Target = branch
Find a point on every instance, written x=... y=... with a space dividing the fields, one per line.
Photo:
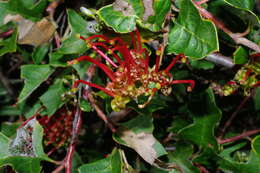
x=220 y=59
x=237 y=37
x=245 y=134
x=232 y=117
x=75 y=131
x=100 y=113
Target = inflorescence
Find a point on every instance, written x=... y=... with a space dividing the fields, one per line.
x=128 y=70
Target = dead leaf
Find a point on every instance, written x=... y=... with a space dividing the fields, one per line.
x=33 y=33
x=142 y=143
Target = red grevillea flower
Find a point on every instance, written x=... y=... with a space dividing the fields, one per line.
x=130 y=75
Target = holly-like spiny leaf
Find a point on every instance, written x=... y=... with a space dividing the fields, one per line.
x=192 y=35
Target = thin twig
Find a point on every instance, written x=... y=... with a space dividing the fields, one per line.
x=235 y=138
x=75 y=131
x=232 y=117
x=100 y=113
x=237 y=37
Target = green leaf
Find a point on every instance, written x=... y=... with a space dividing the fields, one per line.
x=85 y=105
x=52 y=98
x=137 y=134
x=201 y=131
x=34 y=75
x=192 y=35
x=256 y=145
x=251 y=166
x=28 y=8
x=154 y=14
x=257 y=98
x=77 y=23
x=111 y=164
x=8 y=44
x=39 y=53
x=4 y=11
x=117 y=20
x=9 y=111
x=201 y=64
x=72 y=45
x=9 y=129
x=243 y=4
x=240 y=55
x=181 y=157
x=15 y=154
x=123 y=15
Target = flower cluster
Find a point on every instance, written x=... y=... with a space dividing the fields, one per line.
x=128 y=70
x=246 y=78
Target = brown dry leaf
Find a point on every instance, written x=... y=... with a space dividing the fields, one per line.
x=142 y=143
x=33 y=33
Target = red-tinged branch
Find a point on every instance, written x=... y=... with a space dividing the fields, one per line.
x=103 y=55
x=237 y=37
x=77 y=82
x=174 y=61
x=235 y=138
x=7 y=33
x=100 y=113
x=191 y=82
x=109 y=72
x=75 y=131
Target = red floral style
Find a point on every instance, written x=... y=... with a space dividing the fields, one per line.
x=129 y=72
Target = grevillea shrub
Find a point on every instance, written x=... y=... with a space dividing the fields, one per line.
x=124 y=86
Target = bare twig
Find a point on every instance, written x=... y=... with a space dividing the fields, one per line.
x=100 y=113
x=75 y=131
x=232 y=117
x=220 y=59
x=237 y=37
x=235 y=138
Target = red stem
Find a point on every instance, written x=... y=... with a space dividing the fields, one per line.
x=77 y=82
x=157 y=63
x=191 y=82
x=75 y=131
x=95 y=36
x=138 y=40
x=108 y=49
x=174 y=62
x=235 y=138
x=103 y=55
x=109 y=72
x=7 y=33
